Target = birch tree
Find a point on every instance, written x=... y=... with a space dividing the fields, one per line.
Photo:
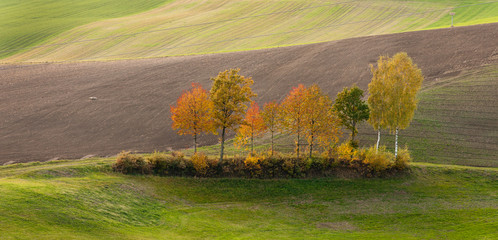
x=405 y=80
x=393 y=91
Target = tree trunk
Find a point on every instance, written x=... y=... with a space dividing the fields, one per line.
x=195 y=143
x=378 y=140
x=252 y=142
x=311 y=146
x=396 y=145
x=222 y=143
x=297 y=144
x=353 y=131
x=272 y=143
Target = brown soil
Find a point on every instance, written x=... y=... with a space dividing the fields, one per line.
x=46 y=111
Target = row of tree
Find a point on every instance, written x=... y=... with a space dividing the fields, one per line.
x=305 y=112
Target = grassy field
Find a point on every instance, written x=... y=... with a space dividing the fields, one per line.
x=196 y=27
x=83 y=199
x=32 y=22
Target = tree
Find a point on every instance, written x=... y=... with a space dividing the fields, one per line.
x=252 y=126
x=270 y=116
x=351 y=109
x=292 y=111
x=319 y=119
x=405 y=79
x=393 y=91
x=192 y=113
x=377 y=101
x=230 y=93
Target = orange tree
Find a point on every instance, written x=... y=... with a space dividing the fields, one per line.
x=271 y=119
x=229 y=93
x=292 y=112
x=252 y=126
x=320 y=121
x=192 y=113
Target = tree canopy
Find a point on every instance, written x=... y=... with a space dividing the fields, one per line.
x=351 y=109
x=192 y=113
x=230 y=93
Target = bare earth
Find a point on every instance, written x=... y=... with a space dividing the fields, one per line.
x=46 y=111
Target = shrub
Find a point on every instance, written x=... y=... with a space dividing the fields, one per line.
x=128 y=163
x=252 y=165
x=378 y=161
x=344 y=153
x=200 y=163
x=403 y=159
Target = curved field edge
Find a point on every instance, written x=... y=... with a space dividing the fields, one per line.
x=85 y=200
x=29 y=23
x=187 y=28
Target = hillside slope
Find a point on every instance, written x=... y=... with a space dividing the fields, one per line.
x=46 y=112
x=27 y=23
x=195 y=27
x=82 y=199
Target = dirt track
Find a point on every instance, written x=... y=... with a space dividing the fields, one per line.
x=45 y=110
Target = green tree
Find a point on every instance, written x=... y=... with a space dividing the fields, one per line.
x=230 y=93
x=351 y=109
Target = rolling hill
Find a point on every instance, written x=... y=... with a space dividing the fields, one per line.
x=37 y=31
x=83 y=199
x=46 y=111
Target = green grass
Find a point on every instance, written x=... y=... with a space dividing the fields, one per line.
x=85 y=32
x=30 y=22
x=83 y=199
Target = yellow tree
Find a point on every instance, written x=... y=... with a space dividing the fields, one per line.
x=192 y=113
x=252 y=126
x=270 y=116
x=292 y=112
x=320 y=121
x=405 y=80
x=230 y=93
x=393 y=91
x=377 y=100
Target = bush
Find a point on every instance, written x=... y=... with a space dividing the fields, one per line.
x=403 y=159
x=252 y=165
x=200 y=163
x=378 y=161
x=176 y=164
x=128 y=163
x=359 y=162
x=344 y=153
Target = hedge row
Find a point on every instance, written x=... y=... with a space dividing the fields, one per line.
x=363 y=162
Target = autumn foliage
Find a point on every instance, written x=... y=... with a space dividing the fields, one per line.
x=252 y=126
x=192 y=113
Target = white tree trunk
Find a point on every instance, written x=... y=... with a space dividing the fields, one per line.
x=396 y=145
x=378 y=141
